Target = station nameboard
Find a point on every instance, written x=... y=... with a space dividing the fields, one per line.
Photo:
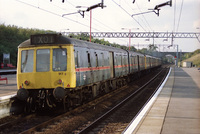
x=43 y=39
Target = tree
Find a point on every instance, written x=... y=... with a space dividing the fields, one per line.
x=11 y=37
x=152 y=47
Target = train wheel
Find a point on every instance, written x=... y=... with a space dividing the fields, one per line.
x=111 y=86
x=102 y=89
x=119 y=83
x=124 y=82
x=28 y=107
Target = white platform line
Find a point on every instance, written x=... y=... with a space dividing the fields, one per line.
x=7 y=97
x=131 y=127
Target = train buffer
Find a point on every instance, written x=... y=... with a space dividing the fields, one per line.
x=5 y=78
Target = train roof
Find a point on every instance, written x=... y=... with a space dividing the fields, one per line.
x=58 y=39
x=135 y=53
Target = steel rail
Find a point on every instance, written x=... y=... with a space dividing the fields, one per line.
x=45 y=124
x=160 y=84
x=94 y=123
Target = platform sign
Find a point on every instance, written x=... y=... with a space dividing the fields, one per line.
x=6 y=58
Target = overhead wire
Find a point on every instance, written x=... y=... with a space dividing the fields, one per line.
x=172 y=41
x=174 y=16
x=93 y=18
x=144 y=19
x=129 y=15
x=179 y=16
x=58 y=15
x=150 y=29
x=54 y=14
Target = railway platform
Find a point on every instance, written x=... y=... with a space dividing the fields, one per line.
x=7 y=71
x=10 y=88
x=176 y=109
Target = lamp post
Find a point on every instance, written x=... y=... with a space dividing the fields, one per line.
x=130 y=34
x=90 y=18
x=90 y=9
x=90 y=24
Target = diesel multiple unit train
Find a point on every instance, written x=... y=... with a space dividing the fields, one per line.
x=53 y=69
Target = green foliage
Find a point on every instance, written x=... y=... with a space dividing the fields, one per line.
x=143 y=50
x=189 y=55
x=11 y=37
x=152 y=47
x=193 y=57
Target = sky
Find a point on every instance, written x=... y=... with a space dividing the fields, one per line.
x=182 y=16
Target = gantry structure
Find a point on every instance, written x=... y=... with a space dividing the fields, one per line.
x=138 y=34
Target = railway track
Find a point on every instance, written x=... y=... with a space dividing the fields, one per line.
x=118 y=118
x=23 y=122
x=78 y=118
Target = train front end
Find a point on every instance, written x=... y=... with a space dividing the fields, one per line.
x=45 y=70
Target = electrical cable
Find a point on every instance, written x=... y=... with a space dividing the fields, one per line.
x=144 y=17
x=179 y=16
x=85 y=15
x=129 y=15
x=174 y=15
x=55 y=14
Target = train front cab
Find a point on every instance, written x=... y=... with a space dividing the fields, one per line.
x=45 y=71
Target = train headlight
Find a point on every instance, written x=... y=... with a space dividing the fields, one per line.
x=59 y=81
x=26 y=83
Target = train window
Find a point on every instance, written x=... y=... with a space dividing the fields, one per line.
x=97 y=64
x=27 y=61
x=115 y=59
x=124 y=59
x=42 y=60
x=59 y=59
x=121 y=59
x=102 y=59
x=89 y=63
x=132 y=60
x=76 y=59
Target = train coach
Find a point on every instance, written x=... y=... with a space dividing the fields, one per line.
x=53 y=68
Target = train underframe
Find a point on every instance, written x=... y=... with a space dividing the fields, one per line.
x=69 y=98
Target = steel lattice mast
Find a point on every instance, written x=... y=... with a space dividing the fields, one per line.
x=138 y=34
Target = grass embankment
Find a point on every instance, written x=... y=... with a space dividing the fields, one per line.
x=195 y=59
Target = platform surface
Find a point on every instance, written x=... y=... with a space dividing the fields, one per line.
x=11 y=87
x=8 y=70
x=177 y=108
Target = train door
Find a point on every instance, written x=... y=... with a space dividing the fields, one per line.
x=138 y=59
x=145 y=62
x=90 y=73
x=112 y=71
x=78 y=74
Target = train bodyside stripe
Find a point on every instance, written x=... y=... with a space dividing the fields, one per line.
x=91 y=68
x=100 y=68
